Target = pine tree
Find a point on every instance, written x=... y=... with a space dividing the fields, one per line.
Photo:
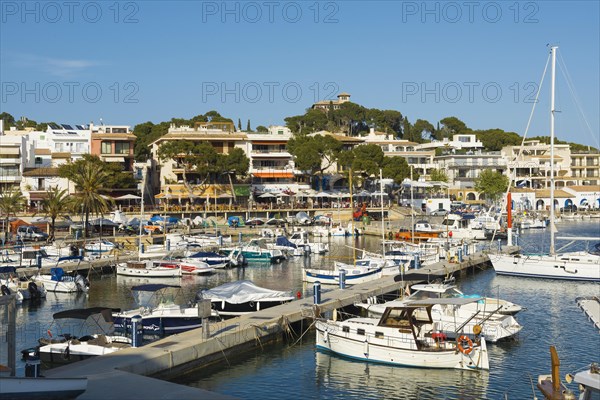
x=248 y=129
x=239 y=124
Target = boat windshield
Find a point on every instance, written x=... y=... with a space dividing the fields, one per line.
x=450 y=293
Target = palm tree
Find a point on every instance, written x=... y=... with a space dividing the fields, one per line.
x=57 y=202
x=11 y=201
x=89 y=177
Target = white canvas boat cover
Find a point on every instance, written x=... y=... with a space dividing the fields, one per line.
x=240 y=292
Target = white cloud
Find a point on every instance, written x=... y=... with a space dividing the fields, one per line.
x=61 y=67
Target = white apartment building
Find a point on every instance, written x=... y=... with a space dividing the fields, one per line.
x=458 y=142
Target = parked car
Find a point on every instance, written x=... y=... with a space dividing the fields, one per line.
x=569 y=208
x=441 y=212
x=31 y=232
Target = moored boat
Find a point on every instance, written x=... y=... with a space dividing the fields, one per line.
x=147 y=268
x=404 y=335
x=354 y=274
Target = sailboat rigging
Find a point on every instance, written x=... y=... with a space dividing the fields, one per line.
x=580 y=266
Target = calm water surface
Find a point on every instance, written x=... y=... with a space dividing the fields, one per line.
x=296 y=369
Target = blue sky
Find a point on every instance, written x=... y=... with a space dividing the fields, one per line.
x=130 y=62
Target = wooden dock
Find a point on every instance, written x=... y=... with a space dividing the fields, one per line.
x=174 y=355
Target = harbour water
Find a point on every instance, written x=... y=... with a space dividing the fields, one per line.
x=295 y=368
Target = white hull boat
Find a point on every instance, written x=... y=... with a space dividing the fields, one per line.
x=74 y=350
x=354 y=274
x=401 y=337
x=147 y=268
x=188 y=266
x=57 y=281
x=577 y=266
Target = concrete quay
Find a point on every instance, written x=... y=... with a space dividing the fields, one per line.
x=136 y=370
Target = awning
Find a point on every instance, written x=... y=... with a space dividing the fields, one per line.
x=114 y=159
x=36 y=196
x=12 y=151
x=269 y=143
x=288 y=175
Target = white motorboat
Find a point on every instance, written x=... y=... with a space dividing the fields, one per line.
x=354 y=274
x=41 y=388
x=147 y=268
x=460 y=227
x=72 y=348
x=300 y=238
x=11 y=283
x=214 y=259
x=160 y=314
x=242 y=297
x=404 y=335
x=57 y=281
x=477 y=315
x=99 y=246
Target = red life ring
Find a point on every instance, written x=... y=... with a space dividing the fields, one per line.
x=464 y=344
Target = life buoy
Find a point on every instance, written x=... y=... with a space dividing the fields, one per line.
x=397 y=235
x=464 y=344
x=5 y=290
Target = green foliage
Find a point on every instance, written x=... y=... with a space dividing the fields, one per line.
x=11 y=202
x=438 y=175
x=262 y=129
x=395 y=168
x=57 y=202
x=314 y=153
x=90 y=176
x=452 y=126
x=420 y=129
x=368 y=159
x=496 y=139
x=491 y=183
x=239 y=124
x=248 y=128
x=236 y=161
x=8 y=119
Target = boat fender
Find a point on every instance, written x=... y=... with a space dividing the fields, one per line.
x=33 y=289
x=464 y=344
x=477 y=329
x=397 y=235
x=5 y=290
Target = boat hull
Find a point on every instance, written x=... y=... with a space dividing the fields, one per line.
x=395 y=350
x=580 y=267
x=333 y=277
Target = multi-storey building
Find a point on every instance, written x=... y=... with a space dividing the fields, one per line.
x=113 y=144
x=335 y=104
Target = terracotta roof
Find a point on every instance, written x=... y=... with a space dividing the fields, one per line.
x=344 y=94
x=41 y=172
x=61 y=155
x=200 y=136
x=43 y=152
x=558 y=193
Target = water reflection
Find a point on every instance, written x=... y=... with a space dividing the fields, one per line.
x=377 y=381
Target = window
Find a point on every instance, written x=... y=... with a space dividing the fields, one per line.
x=122 y=148
x=106 y=148
x=360 y=331
x=38 y=160
x=345 y=329
x=280 y=132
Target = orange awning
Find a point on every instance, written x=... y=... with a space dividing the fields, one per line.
x=273 y=175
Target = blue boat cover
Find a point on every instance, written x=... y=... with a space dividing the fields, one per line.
x=153 y=287
x=8 y=270
x=283 y=241
x=57 y=274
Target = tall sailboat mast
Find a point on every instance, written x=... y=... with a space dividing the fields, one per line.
x=552 y=185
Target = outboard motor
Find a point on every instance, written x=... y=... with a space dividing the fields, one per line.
x=82 y=283
x=33 y=290
x=74 y=251
x=5 y=290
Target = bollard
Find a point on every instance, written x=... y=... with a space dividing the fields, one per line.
x=240 y=237
x=32 y=367
x=417 y=261
x=38 y=260
x=466 y=249
x=80 y=252
x=168 y=244
x=220 y=240
x=517 y=238
x=499 y=245
x=460 y=255
x=77 y=234
x=136 y=330
x=204 y=312
x=342 y=279
x=142 y=248
x=317 y=292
